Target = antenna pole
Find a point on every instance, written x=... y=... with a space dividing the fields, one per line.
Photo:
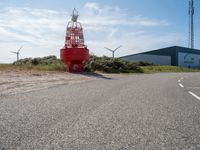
x=191 y=24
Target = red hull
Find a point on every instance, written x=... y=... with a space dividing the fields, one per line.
x=74 y=58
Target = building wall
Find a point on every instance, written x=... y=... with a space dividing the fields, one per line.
x=155 y=59
x=169 y=51
x=188 y=60
x=176 y=56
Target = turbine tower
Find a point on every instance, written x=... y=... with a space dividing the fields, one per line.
x=17 y=52
x=191 y=24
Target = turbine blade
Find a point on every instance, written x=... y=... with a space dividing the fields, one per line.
x=13 y=52
x=118 y=47
x=20 y=48
x=108 y=49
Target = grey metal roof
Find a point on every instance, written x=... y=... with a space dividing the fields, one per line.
x=168 y=51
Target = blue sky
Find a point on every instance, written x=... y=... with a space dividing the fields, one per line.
x=137 y=25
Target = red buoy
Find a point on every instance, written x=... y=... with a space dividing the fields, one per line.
x=75 y=53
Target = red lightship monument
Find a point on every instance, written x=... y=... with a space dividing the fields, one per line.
x=75 y=53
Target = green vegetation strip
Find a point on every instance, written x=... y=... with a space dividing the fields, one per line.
x=156 y=69
x=95 y=64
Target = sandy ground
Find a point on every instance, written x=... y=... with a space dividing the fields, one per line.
x=15 y=81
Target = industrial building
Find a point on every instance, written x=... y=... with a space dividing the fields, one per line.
x=175 y=56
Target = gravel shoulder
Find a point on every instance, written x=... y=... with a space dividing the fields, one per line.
x=18 y=81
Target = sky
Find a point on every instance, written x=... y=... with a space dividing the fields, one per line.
x=138 y=25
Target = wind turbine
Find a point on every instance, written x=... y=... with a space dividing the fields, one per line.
x=17 y=53
x=113 y=51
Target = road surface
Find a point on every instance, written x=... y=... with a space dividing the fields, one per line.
x=151 y=111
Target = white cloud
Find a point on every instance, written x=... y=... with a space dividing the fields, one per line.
x=109 y=15
x=42 y=31
x=92 y=6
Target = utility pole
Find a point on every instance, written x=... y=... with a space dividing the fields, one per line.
x=113 y=51
x=191 y=24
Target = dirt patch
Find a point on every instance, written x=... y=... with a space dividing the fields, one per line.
x=17 y=81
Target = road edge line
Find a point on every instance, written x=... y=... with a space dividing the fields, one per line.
x=194 y=95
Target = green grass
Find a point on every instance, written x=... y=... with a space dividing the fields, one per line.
x=52 y=67
x=157 y=69
x=61 y=68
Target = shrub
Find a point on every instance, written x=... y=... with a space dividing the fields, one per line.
x=111 y=65
x=144 y=63
x=49 y=63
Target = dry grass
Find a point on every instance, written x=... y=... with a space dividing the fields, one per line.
x=52 y=67
x=156 y=69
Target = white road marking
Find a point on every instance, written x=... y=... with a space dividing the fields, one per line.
x=194 y=95
x=179 y=81
x=181 y=85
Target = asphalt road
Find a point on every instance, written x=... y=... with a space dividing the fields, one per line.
x=155 y=112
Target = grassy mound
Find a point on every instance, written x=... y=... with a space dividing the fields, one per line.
x=49 y=63
x=111 y=65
